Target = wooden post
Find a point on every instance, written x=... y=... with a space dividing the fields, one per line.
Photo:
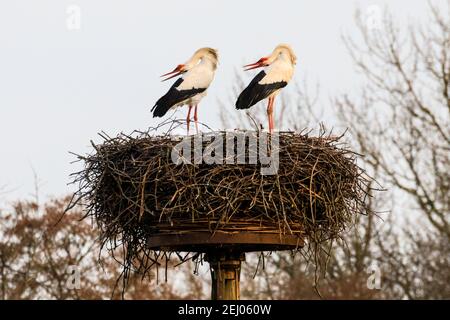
x=225 y=252
x=225 y=274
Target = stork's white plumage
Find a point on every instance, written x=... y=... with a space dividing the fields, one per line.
x=278 y=71
x=197 y=74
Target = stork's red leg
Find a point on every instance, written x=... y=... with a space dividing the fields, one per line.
x=269 y=113
x=196 y=118
x=188 y=119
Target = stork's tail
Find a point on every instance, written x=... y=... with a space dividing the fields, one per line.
x=160 y=108
x=245 y=100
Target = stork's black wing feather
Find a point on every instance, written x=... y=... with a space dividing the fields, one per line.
x=172 y=97
x=256 y=92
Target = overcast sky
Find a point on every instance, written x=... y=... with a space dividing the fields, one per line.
x=59 y=86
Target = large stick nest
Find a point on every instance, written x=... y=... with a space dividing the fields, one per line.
x=133 y=190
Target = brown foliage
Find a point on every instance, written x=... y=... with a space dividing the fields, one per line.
x=40 y=247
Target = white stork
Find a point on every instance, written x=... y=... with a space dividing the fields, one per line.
x=269 y=82
x=198 y=73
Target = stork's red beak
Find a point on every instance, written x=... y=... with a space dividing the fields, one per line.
x=258 y=64
x=176 y=72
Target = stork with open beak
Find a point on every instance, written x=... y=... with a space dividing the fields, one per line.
x=278 y=71
x=197 y=74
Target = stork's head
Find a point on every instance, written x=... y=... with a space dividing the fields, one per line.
x=212 y=55
x=282 y=51
x=203 y=53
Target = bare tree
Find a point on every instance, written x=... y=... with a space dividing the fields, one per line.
x=401 y=122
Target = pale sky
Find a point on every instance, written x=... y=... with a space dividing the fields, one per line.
x=59 y=87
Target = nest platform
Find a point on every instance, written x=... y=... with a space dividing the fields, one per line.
x=143 y=201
